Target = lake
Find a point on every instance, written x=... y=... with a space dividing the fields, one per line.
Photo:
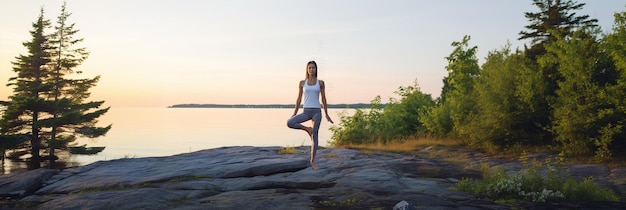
x=150 y=132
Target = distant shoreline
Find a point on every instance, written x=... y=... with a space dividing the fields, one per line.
x=267 y=106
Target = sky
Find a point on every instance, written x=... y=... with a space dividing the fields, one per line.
x=156 y=53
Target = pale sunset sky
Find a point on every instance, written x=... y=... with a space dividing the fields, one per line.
x=156 y=53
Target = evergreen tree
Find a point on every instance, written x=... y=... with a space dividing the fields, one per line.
x=22 y=115
x=555 y=17
x=9 y=141
x=71 y=114
x=46 y=105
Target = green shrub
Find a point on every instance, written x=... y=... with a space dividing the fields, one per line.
x=529 y=185
x=587 y=191
x=394 y=121
x=352 y=129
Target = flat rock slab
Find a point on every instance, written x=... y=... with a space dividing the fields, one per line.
x=252 y=178
x=17 y=185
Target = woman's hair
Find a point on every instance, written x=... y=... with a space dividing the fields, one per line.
x=307 y=69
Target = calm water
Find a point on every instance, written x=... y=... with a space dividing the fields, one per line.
x=149 y=132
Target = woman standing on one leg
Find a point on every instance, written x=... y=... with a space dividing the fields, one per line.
x=312 y=89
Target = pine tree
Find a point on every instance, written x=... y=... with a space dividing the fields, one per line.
x=22 y=114
x=9 y=141
x=47 y=106
x=554 y=16
x=71 y=115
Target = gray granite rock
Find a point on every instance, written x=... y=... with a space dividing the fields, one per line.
x=16 y=185
x=257 y=178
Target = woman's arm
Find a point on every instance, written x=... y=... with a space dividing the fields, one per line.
x=299 y=97
x=323 y=92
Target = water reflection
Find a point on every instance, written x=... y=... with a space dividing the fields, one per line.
x=15 y=165
x=9 y=166
x=151 y=132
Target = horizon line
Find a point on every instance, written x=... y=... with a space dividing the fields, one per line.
x=339 y=105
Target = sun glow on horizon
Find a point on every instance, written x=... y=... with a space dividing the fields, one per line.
x=161 y=53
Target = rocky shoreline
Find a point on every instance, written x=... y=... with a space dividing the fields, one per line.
x=263 y=178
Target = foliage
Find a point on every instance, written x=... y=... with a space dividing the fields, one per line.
x=530 y=185
x=555 y=18
x=437 y=120
x=568 y=96
x=84 y=150
x=11 y=142
x=46 y=105
x=22 y=112
x=72 y=115
x=396 y=120
x=456 y=106
x=585 y=119
x=615 y=46
x=352 y=129
x=505 y=114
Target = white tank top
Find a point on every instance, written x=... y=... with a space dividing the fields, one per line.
x=311 y=95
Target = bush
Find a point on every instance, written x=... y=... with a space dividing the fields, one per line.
x=529 y=185
x=352 y=129
x=394 y=121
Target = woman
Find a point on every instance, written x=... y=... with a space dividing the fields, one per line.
x=312 y=89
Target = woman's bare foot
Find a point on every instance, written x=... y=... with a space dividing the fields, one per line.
x=308 y=130
x=314 y=166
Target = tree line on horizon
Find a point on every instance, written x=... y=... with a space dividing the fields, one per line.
x=565 y=92
x=48 y=109
x=263 y=106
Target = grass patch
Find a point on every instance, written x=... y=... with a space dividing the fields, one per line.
x=530 y=184
x=343 y=203
x=119 y=187
x=451 y=145
x=349 y=201
x=187 y=178
x=408 y=145
x=287 y=150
